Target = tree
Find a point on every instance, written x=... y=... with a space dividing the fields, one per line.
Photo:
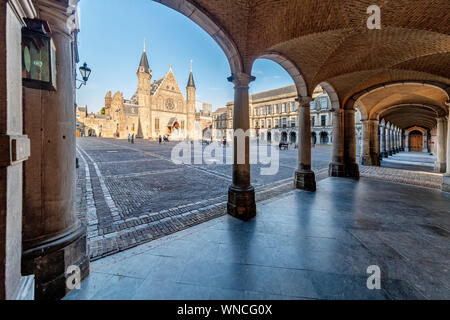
x=102 y=111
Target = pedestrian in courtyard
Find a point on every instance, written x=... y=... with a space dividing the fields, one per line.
x=132 y=138
x=129 y=137
x=160 y=139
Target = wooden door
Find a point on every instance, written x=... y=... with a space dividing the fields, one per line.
x=415 y=142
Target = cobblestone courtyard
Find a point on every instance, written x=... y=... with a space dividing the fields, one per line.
x=132 y=193
x=128 y=194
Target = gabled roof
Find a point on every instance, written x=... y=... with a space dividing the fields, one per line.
x=155 y=85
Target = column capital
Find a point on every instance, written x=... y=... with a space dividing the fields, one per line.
x=62 y=15
x=303 y=101
x=241 y=80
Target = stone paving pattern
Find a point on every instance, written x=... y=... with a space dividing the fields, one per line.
x=318 y=246
x=132 y=193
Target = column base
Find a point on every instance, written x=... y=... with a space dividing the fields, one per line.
x=440 y=167
x=446 y=183
x=352 y=170
x=305 y=180
x=49 y=260
x=385 y=154
x=241 y=203
x=390 y=153
x=336 y=170
x=371 y=160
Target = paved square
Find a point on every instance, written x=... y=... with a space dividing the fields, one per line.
x=132 y=193
x=318 y=246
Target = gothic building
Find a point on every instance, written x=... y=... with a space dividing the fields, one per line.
x=156 y=109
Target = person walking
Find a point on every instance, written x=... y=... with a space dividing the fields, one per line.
x=132 y=138
x=129 y=137
x=160 y=139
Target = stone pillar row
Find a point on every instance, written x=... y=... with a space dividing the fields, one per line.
x=446 y=179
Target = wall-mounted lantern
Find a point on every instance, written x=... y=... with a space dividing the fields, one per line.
x=85 y=72
x=38 y=56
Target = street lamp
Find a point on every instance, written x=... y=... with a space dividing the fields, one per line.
x=85 y=72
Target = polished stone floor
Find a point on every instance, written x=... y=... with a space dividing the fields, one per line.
x=414 y=161
x=301 y=246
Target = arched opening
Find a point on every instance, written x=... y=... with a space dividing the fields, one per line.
x=284 y=137
x=313 y=138
x=415 y=141
x=269 y=137
x=293 y=138
x=324 y=138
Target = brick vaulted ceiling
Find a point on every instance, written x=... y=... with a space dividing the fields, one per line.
x=328 y=40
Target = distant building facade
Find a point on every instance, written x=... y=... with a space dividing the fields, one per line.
x=157 y=108
x=274 y=117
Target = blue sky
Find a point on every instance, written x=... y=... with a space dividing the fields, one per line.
x=111 y=42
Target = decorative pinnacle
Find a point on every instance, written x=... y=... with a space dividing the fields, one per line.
x=191 y=64
x=144 y=44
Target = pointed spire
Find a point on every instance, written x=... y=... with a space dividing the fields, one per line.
x=143 y=65
x=191 y=82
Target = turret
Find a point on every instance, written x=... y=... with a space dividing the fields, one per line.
x=108 y=100
x=190 y=104
x=144 y=74
x=190 y=92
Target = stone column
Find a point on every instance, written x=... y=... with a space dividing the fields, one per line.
x=446 y=180
x=441 y=160
x=53 y=237
x=406 y=141
x=241 y=194
x=388 y=140
x=393 y=143
x=304 y=176
x=402 y=141
x=14 y=151
x=382 y=141
x=365 y=148
x=337 y=158
x=395 y=139
x=370 y=149
x=351 y=167
x=374 y=143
